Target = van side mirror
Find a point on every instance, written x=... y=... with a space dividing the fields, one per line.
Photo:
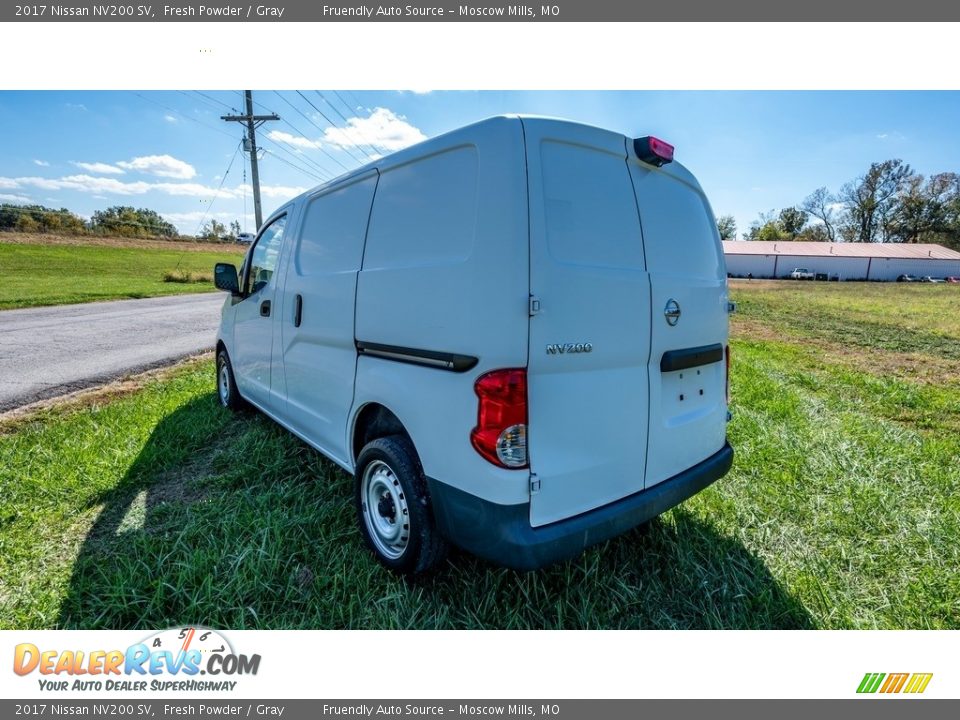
x=225 y=278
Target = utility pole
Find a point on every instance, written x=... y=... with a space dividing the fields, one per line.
x=250 y=144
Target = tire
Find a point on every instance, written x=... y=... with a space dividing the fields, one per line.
x=393 y=508
x=227 y=391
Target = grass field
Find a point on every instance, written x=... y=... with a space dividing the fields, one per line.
x=59 y=272
x=842 y=511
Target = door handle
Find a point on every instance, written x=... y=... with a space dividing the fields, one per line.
x=298 y=311
x=265 y=308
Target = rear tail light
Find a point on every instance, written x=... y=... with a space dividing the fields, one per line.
x=653 y=150
x=501 y=432
x=727 y=379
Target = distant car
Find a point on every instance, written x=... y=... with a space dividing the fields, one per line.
x=953 y=280
x=906 y=278
x=245 y=238
x=930 y=279
x=801 y=274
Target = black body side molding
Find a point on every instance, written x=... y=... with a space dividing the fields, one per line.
x=428 y=358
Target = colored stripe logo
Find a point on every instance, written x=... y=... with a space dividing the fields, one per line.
x=913 y=683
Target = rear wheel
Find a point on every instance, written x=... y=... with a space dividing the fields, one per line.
x=393 y=507
x=226 y=384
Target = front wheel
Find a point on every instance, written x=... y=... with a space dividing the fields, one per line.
x=393 y=507
x=226 y=384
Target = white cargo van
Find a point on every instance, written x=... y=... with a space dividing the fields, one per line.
x=514 y=336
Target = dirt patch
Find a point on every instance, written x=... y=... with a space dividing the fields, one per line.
x=135 y=243
x=81 y=399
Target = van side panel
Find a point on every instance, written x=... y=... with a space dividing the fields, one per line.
x=590 y=341
x=445 y=270
x=685 y=258
x=319 y=355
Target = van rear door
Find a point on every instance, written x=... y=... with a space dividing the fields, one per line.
x=688 y=306
x=590 y=322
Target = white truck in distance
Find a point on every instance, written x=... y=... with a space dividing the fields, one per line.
x=802 y=274
x=513 y=336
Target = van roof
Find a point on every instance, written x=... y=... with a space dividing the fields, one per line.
x=463 y=134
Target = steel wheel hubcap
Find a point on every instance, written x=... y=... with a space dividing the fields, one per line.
x=224 y=384
x=385 y=510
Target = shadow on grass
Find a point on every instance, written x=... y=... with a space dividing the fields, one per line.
x=230 y=522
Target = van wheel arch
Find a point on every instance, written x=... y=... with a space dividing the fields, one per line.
x=375 y=421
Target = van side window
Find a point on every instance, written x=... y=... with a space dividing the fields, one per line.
x=263 y=259
x=425 y=212
x=333 y=229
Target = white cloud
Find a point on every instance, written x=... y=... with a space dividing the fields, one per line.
x=192 y=189
x=282 y=192
x=76 y=106
x=102 y=186
x=98 y=167
x=91 y=183
x=14 y=198
x=112 y=186
x=170 y=118
x=382 y=128
x=161 y=166
x=41 y=163
x=295 y=140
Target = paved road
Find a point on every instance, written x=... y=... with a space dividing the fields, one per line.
x=50 y=351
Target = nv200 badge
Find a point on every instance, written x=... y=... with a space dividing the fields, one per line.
x=568 y=348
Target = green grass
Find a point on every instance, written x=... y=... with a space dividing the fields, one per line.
x=35 y=274
x=903 y=317
x=160 y=508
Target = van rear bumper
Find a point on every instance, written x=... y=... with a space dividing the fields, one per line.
x=503 y=534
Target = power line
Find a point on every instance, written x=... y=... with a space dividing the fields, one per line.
x=336 y=127
x=219 y=188
x=376 y=151
x=185 y=116
x=216 y=195
x=219 y=102
x=287 y=162
x=298 y=155
x=316 y=146
x=324 y=174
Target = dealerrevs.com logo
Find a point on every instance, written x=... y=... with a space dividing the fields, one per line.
x=892 y=683
x=173 y=659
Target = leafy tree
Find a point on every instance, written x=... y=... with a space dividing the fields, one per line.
x=791 y=221
x=127 y=221
x=928 y=209
x=235 y=229
x=213 y=230
x=37 y=218
x=727 y=227
x=872 y=200
x=767 y=227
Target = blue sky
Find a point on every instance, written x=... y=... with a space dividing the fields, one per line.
x=169 y=151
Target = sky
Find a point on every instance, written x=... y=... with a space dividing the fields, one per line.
x=753 y=151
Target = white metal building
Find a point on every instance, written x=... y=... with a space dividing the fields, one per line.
x=848 y=261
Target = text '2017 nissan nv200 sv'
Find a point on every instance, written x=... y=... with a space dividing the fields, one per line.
x=514 y=336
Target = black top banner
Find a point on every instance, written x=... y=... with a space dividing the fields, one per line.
x=473 y=11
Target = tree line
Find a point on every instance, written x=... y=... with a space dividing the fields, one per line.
x=890 y=203
x=116 y=221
